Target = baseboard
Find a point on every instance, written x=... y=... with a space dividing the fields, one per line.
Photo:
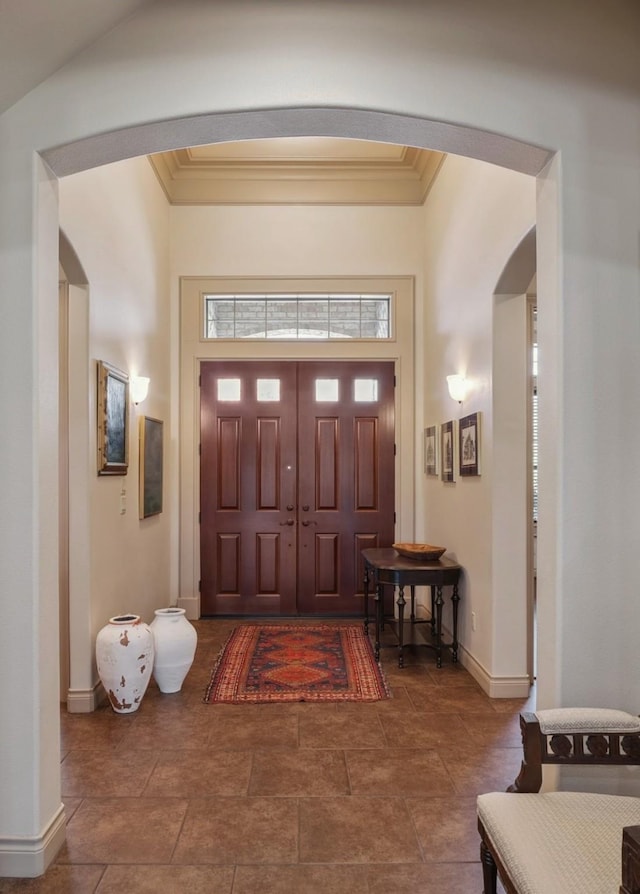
x=495 y=687
x=191 y=605
x=30 y=857
x=84 y=701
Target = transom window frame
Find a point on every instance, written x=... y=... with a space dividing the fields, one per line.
x=298 y=298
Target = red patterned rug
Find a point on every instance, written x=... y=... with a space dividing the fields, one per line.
x=288 y=663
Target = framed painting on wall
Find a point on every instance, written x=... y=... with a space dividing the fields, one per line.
x=431 y=450
x=150 y=472
x=113 y=409
x=447 y=452
x=469 y=446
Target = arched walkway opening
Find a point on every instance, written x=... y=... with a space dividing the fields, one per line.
x=334 y=122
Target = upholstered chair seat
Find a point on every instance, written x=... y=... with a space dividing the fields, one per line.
x=565 y=842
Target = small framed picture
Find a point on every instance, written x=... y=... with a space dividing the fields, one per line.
x=150 y=476
x=431 y=451
x=113 y=426
x=469 y=444
x=447 y=452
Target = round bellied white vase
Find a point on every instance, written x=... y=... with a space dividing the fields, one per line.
x=124 y=657
x=175 y=641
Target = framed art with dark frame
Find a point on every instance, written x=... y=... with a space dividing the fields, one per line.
x=447 y=452
x=469 y=444
x=431 y=450
x=113 y=409
x=150 y=477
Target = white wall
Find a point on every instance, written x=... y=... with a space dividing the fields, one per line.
x=286 y=240
x=503 y=83
x=475 y=217
x=511 y=615
x=117 y=220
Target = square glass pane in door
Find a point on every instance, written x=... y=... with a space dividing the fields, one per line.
x=268 y=389
x=228 y=389
x=365 y=390
x=327 y=390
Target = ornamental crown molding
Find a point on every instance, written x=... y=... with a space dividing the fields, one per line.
x=297 y=170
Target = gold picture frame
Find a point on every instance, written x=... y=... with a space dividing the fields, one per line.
x=151 y=434
x=113 y=420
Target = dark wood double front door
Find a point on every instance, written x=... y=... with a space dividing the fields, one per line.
x=296 y=479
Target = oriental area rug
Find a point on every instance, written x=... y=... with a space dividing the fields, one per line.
x=287 y=663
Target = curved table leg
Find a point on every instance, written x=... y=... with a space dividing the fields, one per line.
x=401 y=604
x=377 y=608
x=438 y=626
x=455 y=599
x=432 y=622
x=366 y=599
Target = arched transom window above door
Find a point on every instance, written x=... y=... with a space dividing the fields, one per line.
x=291 y=316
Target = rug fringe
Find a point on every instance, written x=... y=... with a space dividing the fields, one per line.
x=216 y=664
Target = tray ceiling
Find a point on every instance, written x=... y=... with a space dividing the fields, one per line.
x=298 y=170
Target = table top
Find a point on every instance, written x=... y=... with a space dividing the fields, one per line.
x=387 y=558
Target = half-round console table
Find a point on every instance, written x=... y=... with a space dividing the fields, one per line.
x=385 y=567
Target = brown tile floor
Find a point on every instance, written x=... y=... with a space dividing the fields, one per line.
x=283 y=799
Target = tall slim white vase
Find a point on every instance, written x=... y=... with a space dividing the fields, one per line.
x=175 y=641
x=124 y=657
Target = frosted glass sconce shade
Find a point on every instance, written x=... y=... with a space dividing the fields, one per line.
x=457 y=387
x=139 y=388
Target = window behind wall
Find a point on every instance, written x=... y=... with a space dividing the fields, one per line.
x=289 y=316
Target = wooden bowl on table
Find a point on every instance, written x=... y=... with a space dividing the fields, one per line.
x=423 y=552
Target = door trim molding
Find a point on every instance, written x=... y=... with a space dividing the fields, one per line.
x=193 y=351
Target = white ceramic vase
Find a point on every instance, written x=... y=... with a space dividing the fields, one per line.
x=175 y=641
x=124 y=656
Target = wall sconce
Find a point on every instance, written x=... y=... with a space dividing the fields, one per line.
x=457 y=386
x=139 y=388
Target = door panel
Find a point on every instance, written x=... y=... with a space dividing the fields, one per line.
x=366 y=465
x=247 y=479
x=293 y=487
x=268 y=477
x=346 y=480
x=228 y=463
